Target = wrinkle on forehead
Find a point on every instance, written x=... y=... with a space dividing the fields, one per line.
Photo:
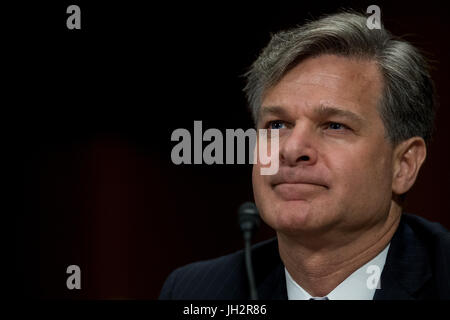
x=363 y=72
x=350 y=84
x=351 y=79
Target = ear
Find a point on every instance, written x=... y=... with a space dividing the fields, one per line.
x=409 y=156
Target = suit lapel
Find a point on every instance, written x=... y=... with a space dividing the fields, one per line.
x=269 y=271
x=274 y=286
x=407 y=267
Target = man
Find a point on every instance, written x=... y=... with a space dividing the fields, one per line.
x=354 y=110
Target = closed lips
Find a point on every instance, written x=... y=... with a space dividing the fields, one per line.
x=291 y=180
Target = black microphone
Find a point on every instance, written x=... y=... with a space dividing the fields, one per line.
x=249 y=222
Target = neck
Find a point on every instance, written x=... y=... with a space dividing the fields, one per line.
x=320 y=270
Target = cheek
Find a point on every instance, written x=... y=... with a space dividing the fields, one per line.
x=258 y=183
x=366 y=173
x=262 y=193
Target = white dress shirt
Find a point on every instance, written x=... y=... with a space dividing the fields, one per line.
x=360 y=285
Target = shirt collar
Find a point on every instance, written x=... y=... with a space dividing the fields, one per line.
x=360 y=285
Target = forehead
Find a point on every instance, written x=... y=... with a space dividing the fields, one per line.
x=349 y=83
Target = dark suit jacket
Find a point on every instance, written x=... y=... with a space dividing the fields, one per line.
x=417 y=267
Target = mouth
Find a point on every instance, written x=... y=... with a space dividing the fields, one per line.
x=298 y=191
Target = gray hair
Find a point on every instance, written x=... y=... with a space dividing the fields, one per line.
x=407 y=106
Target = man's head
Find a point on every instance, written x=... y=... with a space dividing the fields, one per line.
x=354 y=108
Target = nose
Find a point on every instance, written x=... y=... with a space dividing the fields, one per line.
x=298 y=147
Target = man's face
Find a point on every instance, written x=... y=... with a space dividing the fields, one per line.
x=335 y=170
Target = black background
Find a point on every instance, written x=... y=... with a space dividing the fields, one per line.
x=94 y=110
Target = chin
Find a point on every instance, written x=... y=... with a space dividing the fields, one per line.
x=291 y=216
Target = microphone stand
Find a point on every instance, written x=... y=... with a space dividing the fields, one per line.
x=249 y=222
x=249 y=266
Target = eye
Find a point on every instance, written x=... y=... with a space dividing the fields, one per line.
x=276 y=125
x=335 y=126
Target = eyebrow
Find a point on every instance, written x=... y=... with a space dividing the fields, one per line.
x=322 y=111
x=329 y=111
x=274 y=110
